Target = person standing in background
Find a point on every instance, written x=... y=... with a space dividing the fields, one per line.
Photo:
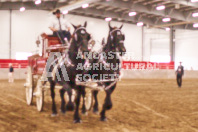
x=179 y=74
x=11 y=74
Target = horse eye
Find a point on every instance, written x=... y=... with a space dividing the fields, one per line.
x=88 y=37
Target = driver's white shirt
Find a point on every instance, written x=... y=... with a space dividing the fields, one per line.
x=55 y=24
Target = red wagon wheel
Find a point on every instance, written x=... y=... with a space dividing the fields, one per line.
x=29 y=86
x=39 y=95
x=88 y=99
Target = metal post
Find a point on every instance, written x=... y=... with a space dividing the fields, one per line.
x=142 y=43
x=172 y=44
x=10 y=43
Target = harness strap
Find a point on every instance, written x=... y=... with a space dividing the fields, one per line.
x=114 y=31
x=110 y=85
x=79 y=29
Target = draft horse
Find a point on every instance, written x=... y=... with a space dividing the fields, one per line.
x=114 y=49
x=66 y=71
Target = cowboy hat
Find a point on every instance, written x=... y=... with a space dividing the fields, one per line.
x=57 y=12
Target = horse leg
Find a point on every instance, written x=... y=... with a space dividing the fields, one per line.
x=84 y=111
x=108 y=103
x=70 y=104
x=76 y=113
x=52 y=86
x=95 y=107
x=62 y=93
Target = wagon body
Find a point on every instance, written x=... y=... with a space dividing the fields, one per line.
x=35 y=77
x=37 y=62
x=36 y=68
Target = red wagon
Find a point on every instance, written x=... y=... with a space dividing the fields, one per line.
x=36 y=67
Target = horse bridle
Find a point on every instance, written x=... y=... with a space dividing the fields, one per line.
x=111 y=36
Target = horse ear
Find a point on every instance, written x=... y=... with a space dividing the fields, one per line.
x=75 y=27
x=110 y=26
x=121 y=26
x=85 y=25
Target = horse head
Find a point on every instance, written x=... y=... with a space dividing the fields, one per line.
x=81 y=38
x=116 y=40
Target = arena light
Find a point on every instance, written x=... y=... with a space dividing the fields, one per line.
x=132 y=13
x=160 y=58
x=166 y=19
x=85 y=5
x=162 y=7
x=65 y=12
x=195 y=25
x=139 y=24
x=108 y=19
x=194 y=0
x=195 y=14
x=22 y=55
x=167 y=29
x=22 y=9
x=37 y=2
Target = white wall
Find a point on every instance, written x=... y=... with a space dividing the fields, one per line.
x=28 y=25
x=4 y=34
x=186 y=49
x=158 y=35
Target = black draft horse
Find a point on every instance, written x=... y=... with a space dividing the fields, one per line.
x=66 y=71
x=114 y=47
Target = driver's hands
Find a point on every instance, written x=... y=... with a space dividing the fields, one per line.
x=68 y=28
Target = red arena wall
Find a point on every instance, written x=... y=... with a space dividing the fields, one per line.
x=141 y=65
x=4 y=63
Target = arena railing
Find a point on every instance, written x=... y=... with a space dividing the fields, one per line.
x=141 y=65
x=4 y=63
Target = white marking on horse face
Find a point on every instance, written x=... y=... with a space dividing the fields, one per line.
x=82 y=32
x=118 y=33
x=121 y=41
x=76 y=37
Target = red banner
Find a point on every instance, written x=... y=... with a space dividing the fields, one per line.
x=141 y=65
x=133 y=65
x=4 y=63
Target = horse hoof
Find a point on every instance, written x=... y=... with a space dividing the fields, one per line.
x=77 y=121
x=95 y=112
x=85 y=113
x=54 y=115
x=70 y=107
x=62 y=112
x=103 y=119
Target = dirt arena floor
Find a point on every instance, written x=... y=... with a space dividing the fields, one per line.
x=139 y=106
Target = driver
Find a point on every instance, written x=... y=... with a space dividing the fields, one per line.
x=60 y=28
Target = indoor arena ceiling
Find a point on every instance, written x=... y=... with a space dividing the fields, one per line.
x=179 y=11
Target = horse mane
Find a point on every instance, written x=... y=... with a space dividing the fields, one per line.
x=107 y=45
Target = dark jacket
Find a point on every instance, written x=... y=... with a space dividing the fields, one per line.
x=11 y=69
x=180 y=70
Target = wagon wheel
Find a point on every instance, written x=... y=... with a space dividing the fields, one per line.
x=88 y=99
x=39 y=95
x=29 y=86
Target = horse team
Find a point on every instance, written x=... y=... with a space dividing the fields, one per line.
x=109 y=60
